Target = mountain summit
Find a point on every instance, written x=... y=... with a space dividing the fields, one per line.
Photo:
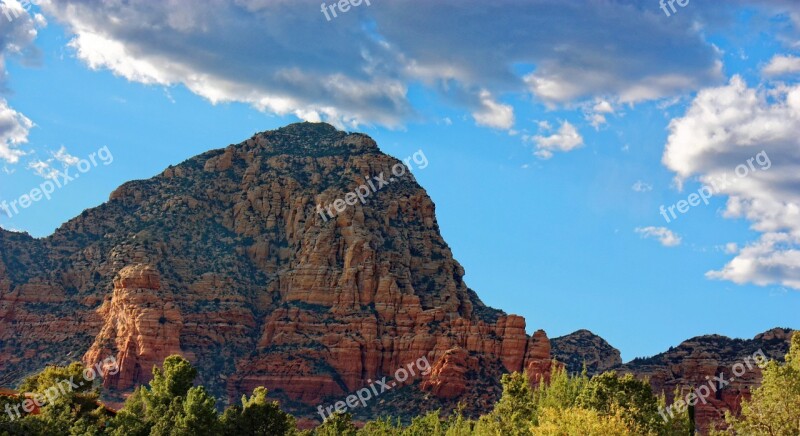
x=226 y=260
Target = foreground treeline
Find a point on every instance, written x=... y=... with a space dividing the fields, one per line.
x=605 y=404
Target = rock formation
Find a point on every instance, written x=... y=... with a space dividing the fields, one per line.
x=697 y=361
x=585 y=348
x=226 y=260
x=691 y=364
x=142 y=327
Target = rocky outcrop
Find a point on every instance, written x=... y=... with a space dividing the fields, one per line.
x=448 y=378
x=226 y=259
x=584 y=348
x=688 y=366
x=142 y=327
x=697 y=361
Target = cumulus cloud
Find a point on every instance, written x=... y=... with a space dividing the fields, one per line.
x=565 y=139
x=14 y=129
x=493 y=114
x=358 y=68
x=734 y=126
x=16 y=39
x=781 y=65
x=664 y=235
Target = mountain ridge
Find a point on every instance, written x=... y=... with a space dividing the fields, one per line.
x=224 y=259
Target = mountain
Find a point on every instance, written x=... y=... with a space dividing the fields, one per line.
x=227 y=259
x=585 y=348
x=693 y=363
x=261 y=264
x=701 y=361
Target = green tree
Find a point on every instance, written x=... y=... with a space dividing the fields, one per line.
x=171 y=406
x=257 y=416
x=580 y=421
x=774 y=407
x=607 y=392
x=337 y=424
x=427 y=425
x=69 y=403
x=514 y=412
x=561 y=391
x=199 y=415
x=381 y=427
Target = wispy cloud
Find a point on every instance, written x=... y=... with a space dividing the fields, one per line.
x=664 y=235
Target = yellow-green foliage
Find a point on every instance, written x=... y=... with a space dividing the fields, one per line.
x=578 y=421
x=774 y=408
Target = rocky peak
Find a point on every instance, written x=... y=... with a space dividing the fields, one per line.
x=585 y=348
x=225 y=259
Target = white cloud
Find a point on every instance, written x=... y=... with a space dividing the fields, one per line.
x=565 y=139
x=493 y=114
x=16 y=39
x=641 y=186
x=65 y=158
x=664 y=235
x=45 y=169
x=596 y=113
x=774 y=258
x=725 y=127
x=358 y=70
x=781 y=65
x=14 y=129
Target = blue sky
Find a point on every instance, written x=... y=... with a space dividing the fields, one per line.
x=554 y=131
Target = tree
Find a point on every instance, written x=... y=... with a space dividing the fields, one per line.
x=69 y=403
x=774 y=407
x=199 y=415
x=580 y=421
x=337 y=424
x=257 y=416
x=427 y=425
x=171 y=406
x=514 y=412
x=608 y=393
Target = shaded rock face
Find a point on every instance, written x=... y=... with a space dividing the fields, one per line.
x=585 y=348
x=226 y=260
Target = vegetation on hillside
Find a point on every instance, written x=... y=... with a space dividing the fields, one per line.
x=568 y=405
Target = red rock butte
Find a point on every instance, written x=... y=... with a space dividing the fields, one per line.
x=224 y=260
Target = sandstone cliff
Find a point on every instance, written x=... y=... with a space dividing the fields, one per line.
x=224 y=259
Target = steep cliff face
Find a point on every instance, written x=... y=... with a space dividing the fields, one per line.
x=226 y=259
x=142 y=326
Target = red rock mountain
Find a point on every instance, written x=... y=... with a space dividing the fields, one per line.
x=692 y=363
x=225 y=260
